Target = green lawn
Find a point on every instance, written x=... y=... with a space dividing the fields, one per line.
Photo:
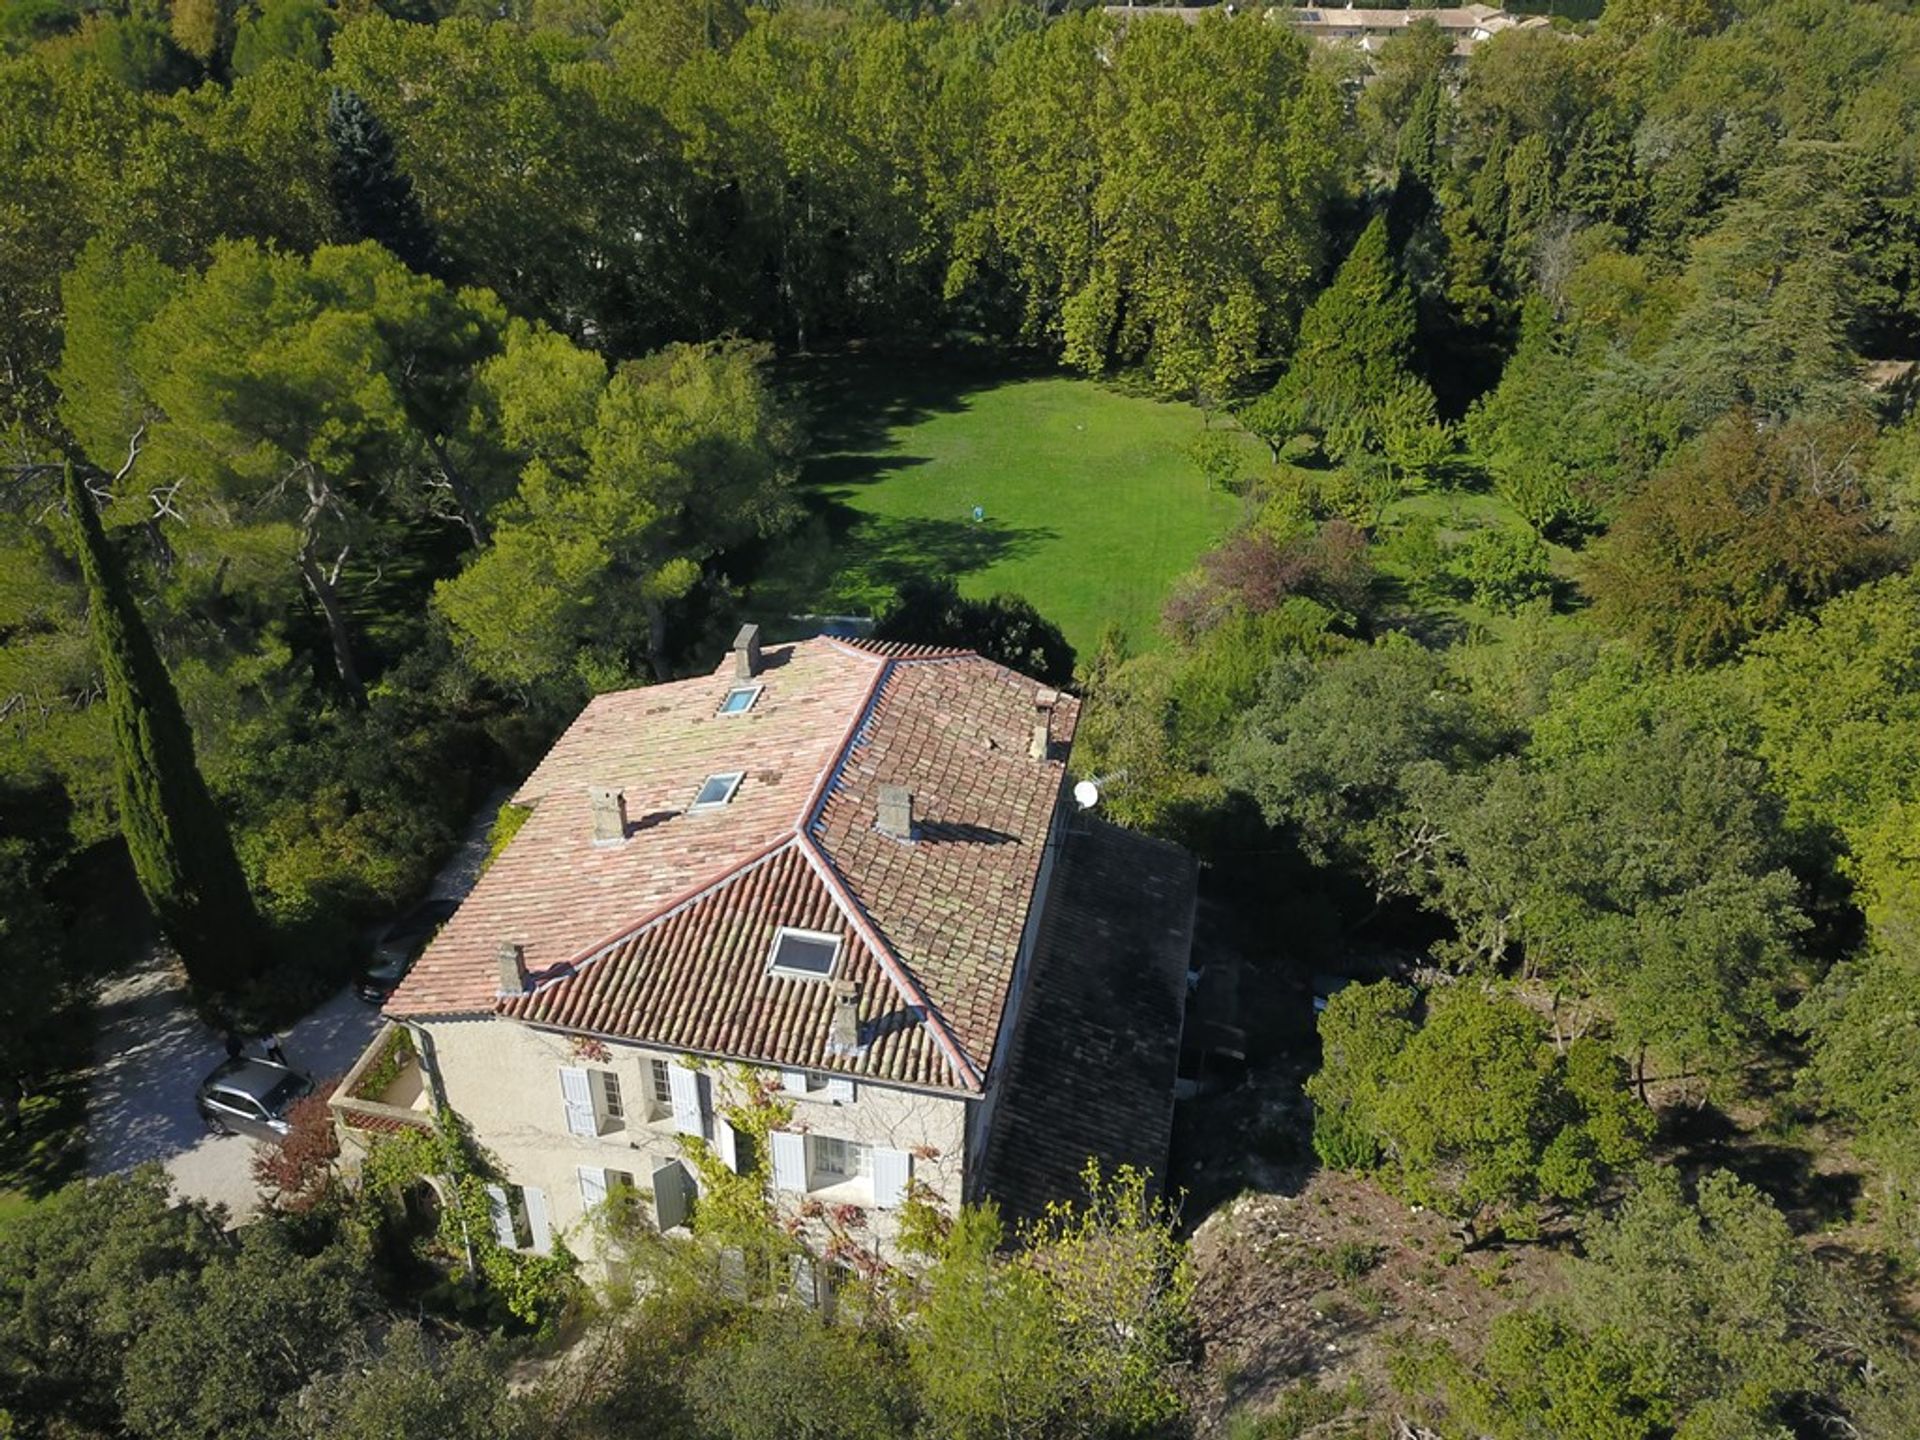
x=1091 y=508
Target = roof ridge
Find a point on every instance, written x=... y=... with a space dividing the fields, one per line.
x=889 y=962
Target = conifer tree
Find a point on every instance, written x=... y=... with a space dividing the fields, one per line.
x=182 y=854
x=1355 y=342
x=371 y=193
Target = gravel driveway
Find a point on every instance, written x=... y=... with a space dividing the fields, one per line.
x=151 y=1052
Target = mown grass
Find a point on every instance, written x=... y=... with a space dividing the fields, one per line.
x=1091 y=507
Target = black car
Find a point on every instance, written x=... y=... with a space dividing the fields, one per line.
x=398 y=946
x=251 y=1097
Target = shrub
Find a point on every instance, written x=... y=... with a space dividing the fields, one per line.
x=1501 y=569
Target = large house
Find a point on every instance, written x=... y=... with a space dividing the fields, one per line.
x=847 y=872
x=1368 y=28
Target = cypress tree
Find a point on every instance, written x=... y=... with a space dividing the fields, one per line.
x=1356 y=338
x=182 y=854
x=371 y=193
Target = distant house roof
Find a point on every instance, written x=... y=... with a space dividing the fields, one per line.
x=666 y=936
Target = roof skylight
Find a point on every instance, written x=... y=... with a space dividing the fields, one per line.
x=803 y=954
x=716 y=790
x=740 y=699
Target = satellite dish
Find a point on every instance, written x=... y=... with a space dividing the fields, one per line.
x=1086 y=794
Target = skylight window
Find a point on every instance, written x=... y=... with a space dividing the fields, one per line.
x=803 y=954
x=716 y=790
x=740 y=699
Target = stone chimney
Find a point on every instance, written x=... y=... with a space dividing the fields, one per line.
x=609 y=814
x=843 y=1038
x=1041 y=745
x=513 y=968
x=746 y=653
x=896 y=812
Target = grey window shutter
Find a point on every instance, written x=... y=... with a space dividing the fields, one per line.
x=537 y=1218
x=685 y=1085
x=804 y=1282
x=501 y=1213
x=726 y=1143
x=789 y=1160
x=892 y=1169
x=578 y=1095
x=794 y=1082
x=670 y=1199
x=593 y=1186
x=839 y=1090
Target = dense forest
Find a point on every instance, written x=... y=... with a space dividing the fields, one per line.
x=383 y=380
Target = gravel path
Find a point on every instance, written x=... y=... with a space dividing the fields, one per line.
x=151 y=1052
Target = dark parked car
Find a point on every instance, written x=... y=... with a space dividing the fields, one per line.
x=251 y=1097
x=398 y=946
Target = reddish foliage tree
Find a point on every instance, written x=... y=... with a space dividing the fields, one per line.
x=296 y=1173
x=1251 y=573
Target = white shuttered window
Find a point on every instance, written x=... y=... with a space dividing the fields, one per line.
x=576 y=1093
x=685 y=1084
x=892 y=1171
x=789 y=1160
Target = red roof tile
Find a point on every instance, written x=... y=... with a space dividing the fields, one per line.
x=665 y=937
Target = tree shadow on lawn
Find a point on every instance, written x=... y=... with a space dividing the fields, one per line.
x=852 y=403
x=845 y=558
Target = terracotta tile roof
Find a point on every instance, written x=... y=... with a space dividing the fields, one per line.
x=697 y=979
x=665 y=937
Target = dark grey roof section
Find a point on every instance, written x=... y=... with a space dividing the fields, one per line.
x=1093 y=1065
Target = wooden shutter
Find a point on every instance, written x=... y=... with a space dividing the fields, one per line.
x=670 y=1200
x=500 y=1210
x=794 y=1082
x=892 y=1169
x=593 y=1186
x=537 y=1218
x=839 y=1091
x=577 y=1093
x=789 y=1160
x=685 y=1085
x=726 y=1143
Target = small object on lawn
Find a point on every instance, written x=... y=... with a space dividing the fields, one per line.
x=979 y=513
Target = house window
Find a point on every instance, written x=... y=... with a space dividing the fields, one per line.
x=661 y=1086
x=609 y=1110
x=717 y=790
x=803 y=954
x=593 y=1102
x=519 y=1214
x=740 y=699
x=835 y=1161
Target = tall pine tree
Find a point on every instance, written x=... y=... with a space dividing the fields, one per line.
x=181 y=851
x=371 y=193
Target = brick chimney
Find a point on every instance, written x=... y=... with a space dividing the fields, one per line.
x=609 y=814
x=843 y=1038
x=746 y=653
x=896 y=812
x=513 y=968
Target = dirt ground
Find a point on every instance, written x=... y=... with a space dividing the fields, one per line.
x=1315 y=1282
